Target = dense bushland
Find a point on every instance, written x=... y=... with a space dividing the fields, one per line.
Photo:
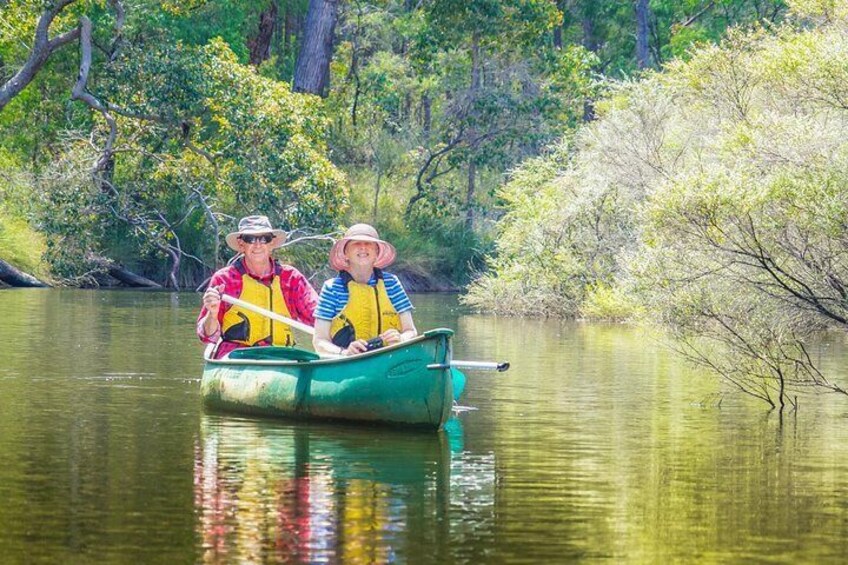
x=710 y=199
x=139 y=131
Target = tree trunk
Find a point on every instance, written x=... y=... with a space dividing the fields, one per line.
x=131 y=279
x=121 y=274
x=175 y=267
x=14 y=277
x=590 y=42
x=260 y=44
x=558 y=29
x=354 y=72
x=313 y=62
x=476 y=81
x=289 y=26
x=469 y=196
x=642 y=29
x=278 y=49
x=475 y=63
x=106 y=176
x=427 y=111
x=588 y=110
x=376 y=197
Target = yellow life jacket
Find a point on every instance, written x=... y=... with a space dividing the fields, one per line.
x=367 y=314
x=247 y=327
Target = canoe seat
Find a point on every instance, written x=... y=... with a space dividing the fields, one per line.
x=271 y=352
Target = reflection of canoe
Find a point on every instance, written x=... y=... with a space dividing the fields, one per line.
x=316 y=493
x=288 y=450
x=408 y=384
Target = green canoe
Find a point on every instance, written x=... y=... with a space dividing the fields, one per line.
x=407 y=384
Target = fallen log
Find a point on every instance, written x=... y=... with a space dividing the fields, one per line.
x=123 y=275
x=15 y=277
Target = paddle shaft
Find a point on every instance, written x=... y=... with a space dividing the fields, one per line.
x=267 y=313
x=481 y=365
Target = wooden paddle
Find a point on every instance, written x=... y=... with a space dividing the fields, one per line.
x=267 y=313
x=479 y=365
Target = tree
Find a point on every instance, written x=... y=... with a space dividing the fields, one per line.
x=710 y=199
x=631 y=36
x=172 y=141
x=260 y=44
x=313 y=62
x=643 y=14
x=497 y=112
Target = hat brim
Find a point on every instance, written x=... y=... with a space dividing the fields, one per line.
x=386 y=252
x=279 y=238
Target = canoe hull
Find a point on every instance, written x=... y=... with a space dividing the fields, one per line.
x=408 y=384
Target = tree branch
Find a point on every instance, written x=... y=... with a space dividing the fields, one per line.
x=212 y=219
x=79 y=93
x=698 y=14
x=42 y=48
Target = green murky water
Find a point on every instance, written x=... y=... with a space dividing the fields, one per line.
x=596 y=446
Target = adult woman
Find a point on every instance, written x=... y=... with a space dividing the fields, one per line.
x=363 y=303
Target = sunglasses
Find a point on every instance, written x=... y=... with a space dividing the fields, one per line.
x=265 y=238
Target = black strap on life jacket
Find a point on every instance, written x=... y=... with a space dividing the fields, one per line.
x=346 y=334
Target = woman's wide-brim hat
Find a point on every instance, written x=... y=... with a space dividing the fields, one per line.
x=256 y=225
x=361 y=232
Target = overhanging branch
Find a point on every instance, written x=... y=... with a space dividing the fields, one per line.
x=79 y=93
x=42 y=48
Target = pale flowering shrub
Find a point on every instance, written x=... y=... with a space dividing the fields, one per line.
x=710 y=200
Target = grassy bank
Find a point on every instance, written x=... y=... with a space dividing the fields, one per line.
x=21 y=245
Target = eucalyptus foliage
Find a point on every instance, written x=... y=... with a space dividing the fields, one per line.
x=430 y=104
x=204 y=140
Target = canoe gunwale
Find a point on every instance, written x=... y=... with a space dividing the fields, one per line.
x=336 y=359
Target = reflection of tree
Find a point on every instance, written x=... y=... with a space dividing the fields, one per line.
x=293 y=511
x=271 y=491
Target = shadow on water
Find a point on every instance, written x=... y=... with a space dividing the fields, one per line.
x=269 y=491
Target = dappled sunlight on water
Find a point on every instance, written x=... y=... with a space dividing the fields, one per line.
x=596 y=444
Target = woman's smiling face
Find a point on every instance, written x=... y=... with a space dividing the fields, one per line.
x=361 y=253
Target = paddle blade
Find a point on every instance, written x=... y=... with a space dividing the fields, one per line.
x=458 y=378
x=456 y=437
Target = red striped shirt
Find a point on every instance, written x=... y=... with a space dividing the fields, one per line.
x=301 y=299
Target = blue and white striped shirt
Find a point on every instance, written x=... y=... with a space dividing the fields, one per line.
x=334 y=296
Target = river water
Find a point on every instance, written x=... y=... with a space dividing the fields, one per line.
x=597 y=445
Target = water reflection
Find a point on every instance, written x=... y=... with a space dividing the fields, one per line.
x=268 y=491
x=596 y=446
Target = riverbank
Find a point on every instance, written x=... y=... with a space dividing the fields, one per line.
x=115 y=276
